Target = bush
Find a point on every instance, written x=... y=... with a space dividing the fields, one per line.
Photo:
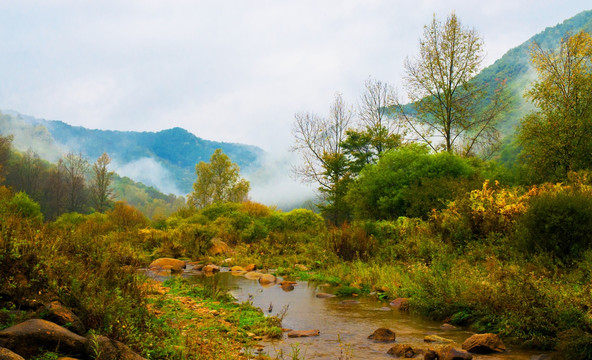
x=303 y=220
x=558 y=223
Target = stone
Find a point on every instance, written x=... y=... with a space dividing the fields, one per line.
x=447 y=327
x=287 y=285
x=265 y=279
x=383 y=335
x=27 y=338
x=322 y=295
x=174 y=265
x=449 y=352
x=301 y=267
x=210 y=268
x=430 y=354
x=61 y=315
x=219 y=247
x=484 y=344
x=401 y=304
x=403 y=351
x=385 y=308
x=253 y=275
x=6 y=354
x=198 y=266
x=436 y=338
x=349 y=302
x=108 y=349
x=303 y=333
x=250 y=267
x=238 y=269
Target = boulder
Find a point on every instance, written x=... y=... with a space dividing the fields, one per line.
x=303 y=333
x=27 y=338
x=219 y=247
x=108 y=349
x=210 y=269
x=287 y=285
x=449 y=352
x=401 y=304
x=383 y=335
x=6 y=354
x=484 y=344
x=265 y=279
x=250 y=267
x=253 y=275
x=174 y=265
x=430 y=354
x=61 y=315
x=436 y=338
x=238 y=269
x=322 y=295
x=447 y=327
x=403 y=351
x=198 y=266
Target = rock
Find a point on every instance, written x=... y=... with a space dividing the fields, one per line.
x=61 y=315
x=265 y=279
x=238 y=269
x=301 y=267
x=28 y=337
x=436 y=338
x=484 y=344
x=287 y=285
x=303 y=333
x=250 y=267
x=6 y=354
x=448 y=352
x=447 y=327
x=430 y=355
x=168 y=264
x=227 y=261
x=253 y=275
x=219 y=247
x=210 y=268
x=322 y=295
x=108 y=349
x=349 y=302
x=198 y=266
x=385 y=308
x=403 y=351
x=401 y=304
x=383 y=335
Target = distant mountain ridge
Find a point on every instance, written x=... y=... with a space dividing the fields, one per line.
x=143 y=156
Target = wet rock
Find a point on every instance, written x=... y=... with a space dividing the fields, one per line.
x=403 y=351
x=449 y=352
x=287 y=285
x=27 y=338
x=447 y=327
x=6 y=354
x=198 y=266
x=303 y=333
x=219 y=247
x=436 y=338
x=238 y=269
x=168 y=264
x=61 y=315
x=250 y=267
x=349 y=302
x=484 y=344
x=383 y=335
x=108 y=349
x=401 y=304
x=325 y=295
x=210 y=269
x=253 y=275
x=266 y=279
x=430 y=354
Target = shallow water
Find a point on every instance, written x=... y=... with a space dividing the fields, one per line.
x=344 y=328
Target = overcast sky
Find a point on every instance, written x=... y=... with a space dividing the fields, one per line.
x=232 y=71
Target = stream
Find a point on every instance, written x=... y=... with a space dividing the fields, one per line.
x=344 y=328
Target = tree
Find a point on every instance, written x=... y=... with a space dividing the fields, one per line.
x=5 y=149
x=218 y=181
x=557 y=137
x=446 y=103
x=74 y=168
x=319 y=141
x=27 y=173
x=100 y=187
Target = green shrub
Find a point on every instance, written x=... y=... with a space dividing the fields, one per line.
x=558 y=223
x=303 y=220
x=24 y=206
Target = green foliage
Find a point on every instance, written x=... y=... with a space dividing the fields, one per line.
x=395 y=185
x=22 y=205
x=303 y=220
x=558 y=223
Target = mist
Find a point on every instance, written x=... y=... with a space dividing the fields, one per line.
x=150 y=172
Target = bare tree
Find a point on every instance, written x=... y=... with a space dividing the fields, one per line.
x=100 y=187
x=74 y=168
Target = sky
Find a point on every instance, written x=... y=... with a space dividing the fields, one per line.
x=234 y=71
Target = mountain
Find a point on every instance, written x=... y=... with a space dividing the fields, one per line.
x=165 y=159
